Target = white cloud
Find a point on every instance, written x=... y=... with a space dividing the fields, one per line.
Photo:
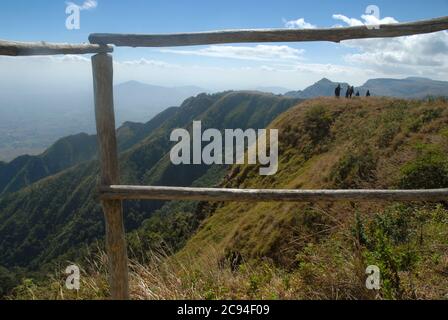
x=87 y=5
x=257 y=53
x=372 y=20
x=368 y=20
x=350 y=21
x=425 y=54
x=298 y=24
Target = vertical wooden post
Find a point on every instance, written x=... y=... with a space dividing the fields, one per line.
x=108 y=156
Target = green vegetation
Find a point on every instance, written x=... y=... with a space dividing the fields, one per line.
x=330 y=264
x=353 y=168
x=199 y=250
x=8 y=281
x=314 y=240
x=58 y=218
x=70 y=151
x=428 y=171
x=65 y=153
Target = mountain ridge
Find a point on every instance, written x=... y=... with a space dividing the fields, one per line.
x=61 y=210
x=70 y=151
x=410 y=87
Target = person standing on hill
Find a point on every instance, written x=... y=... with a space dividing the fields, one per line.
x=368 y=93
x=349 y=93
x=352 y=91
x=337 y=91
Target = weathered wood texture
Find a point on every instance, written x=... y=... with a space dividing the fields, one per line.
x=259 y=195
x=108 y=155
x=270 y=35
x=14 y=48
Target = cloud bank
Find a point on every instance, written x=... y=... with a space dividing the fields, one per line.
x=425 y=54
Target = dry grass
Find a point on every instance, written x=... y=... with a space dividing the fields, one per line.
x=330 y=265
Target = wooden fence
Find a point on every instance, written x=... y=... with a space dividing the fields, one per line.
x=112 y=194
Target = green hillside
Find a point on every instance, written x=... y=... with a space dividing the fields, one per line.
x=70 y=151
x=58 y=216
x=65 y=153
x=131 y=133
x=325 y=143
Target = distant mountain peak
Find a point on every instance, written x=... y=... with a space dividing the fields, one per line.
x=324 y=80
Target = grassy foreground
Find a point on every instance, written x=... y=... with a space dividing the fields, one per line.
x=408 y=245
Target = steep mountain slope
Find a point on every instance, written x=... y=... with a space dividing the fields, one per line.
x=58 y=215
x=63 y=154
x=131 y=133
x=70 y=151
x=411 y=87
x=326 y=143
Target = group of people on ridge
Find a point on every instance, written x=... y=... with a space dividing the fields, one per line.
x=349 y=93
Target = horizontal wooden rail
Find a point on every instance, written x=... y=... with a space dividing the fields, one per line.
x=260 y=195
x=270 y=35
x=14 y=48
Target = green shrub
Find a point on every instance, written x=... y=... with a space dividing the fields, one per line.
x=354 y=168
x=359 y=231
x=387 y=260
x=318 y=122
x=392 y=245
x=428 y=171
x=386 y=233
x=395 y=223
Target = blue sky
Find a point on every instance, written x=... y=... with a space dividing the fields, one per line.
x=290 y=65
